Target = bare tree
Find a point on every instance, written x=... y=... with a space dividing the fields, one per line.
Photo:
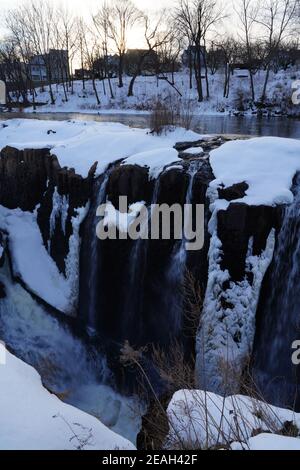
x=247 y=11
x=81 y=47
x=196 y=18
x=21 y=41
x=12 y=71
x=276 y=17
x=37 y=19
x=68 y=32
x=102 y=24
x=169 y=51
x=229 y=48
x=155 y=37
x=122 y=16
x=91 y=56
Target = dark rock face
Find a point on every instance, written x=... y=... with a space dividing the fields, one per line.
x=131 y=181
x=23 y=176
x=28 y=178
x=134 y=280
x=2 y=291
x=236 y=226
x=236 y=191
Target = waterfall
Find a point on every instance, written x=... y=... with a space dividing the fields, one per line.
x=137 y=268
x=176 y=271
x=99 y=197
x=77 y=373
x=279 y=315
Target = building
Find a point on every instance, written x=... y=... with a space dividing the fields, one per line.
x=53 y=66
x=38 y=69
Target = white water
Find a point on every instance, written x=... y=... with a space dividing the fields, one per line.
x=177 y=267
x=66 y=366
x=94 y=261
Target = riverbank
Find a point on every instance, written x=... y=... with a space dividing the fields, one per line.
x=218 y=124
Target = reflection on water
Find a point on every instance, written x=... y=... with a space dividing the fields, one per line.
x=214 y=124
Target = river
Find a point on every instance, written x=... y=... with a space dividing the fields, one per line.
x=205 y=124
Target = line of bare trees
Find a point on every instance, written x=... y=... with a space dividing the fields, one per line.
x=265 y=34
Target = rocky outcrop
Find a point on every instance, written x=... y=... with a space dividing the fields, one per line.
x=28 y=181
x=231 y=193
x=132 y=290
x=236 y=226
x=131 y=181
x=136 y=286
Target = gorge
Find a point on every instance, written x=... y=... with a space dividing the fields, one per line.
x=71 y=311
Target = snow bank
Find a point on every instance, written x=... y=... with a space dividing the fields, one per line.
x=79 y=144
x=267 y=164
x=155 y=160
x=273 y=442
x=34 y=266
x=34 y=419
x=202 y=420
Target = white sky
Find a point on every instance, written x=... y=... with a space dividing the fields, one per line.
x=84 y=8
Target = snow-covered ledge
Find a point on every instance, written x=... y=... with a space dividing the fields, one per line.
x=266 y=167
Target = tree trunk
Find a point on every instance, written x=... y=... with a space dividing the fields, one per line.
x=228 y=84
x=131 y=85
x=50 y=85
x=121 y=67
x=110 y=88
x=104 y=87
x=206 y=78
x=95 y=90
x=197 y=65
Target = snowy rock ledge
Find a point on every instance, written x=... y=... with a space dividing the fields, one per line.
x=79 y=144
x=203 y=420
x=252 y=178
x=34 y=419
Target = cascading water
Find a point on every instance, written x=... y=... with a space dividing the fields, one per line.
x=279 y=315
x=176 y=271
x=68 y=368
x=137 y=267
x=98 y=199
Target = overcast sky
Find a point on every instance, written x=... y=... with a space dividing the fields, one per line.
x=86 y=7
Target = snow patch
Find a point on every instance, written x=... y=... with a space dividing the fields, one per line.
x=79 y=144
x=267 y=164
x=34 y=419
x=155 y=160
x=202 y=420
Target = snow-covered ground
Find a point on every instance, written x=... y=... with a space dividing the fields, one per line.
x=149 y=90
x=34 y=419
x=205 y=420
x=267 y=164
x=79 y=144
